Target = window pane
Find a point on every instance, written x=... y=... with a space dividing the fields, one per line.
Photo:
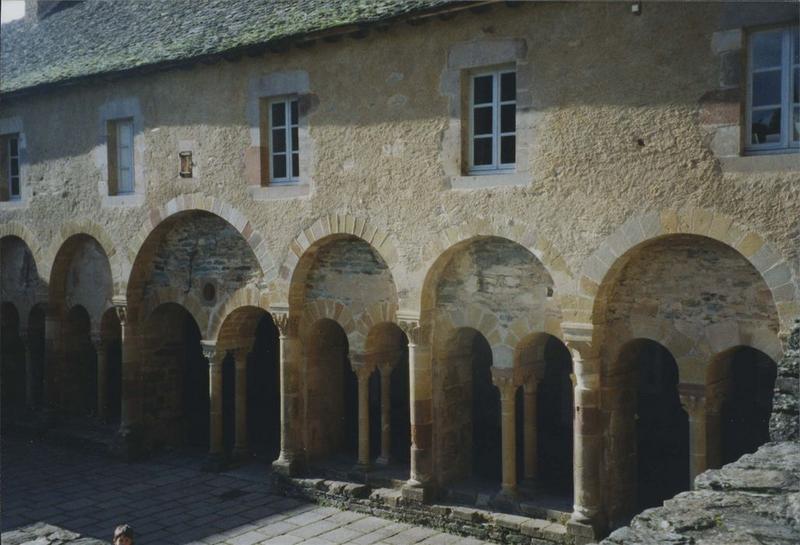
x=483 y=89
x=796 y=92
x=279 y=140
x=278 y=114
x=796 y=42
x=482 y=120
x=125 y=133
x=294 y=112
x=508 y=86
x=796 y=125
x=14 y=167
x=766 y=126
x=278 y=166
x=767 y=88
x=15 y=186
x=507 y=115
x=508 y=152
x=13 y=148
x=482 y=151
x=124 y=158
x=295 y=146
x=767 y=49
x=125 y=180
x=295 y=165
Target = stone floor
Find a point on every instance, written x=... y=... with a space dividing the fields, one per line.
x=169 y=500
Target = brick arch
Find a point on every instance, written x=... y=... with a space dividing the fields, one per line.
x=523 y=328
x=485 y=323
x=177 y=296
x=247 y=296
x=118 y=262
x=213 y=205
x=373 y=315
x=330 y=226
x=16 y=229
x=609 y=258
x=501 y=227
x=339 y=313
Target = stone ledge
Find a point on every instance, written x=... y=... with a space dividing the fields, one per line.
x=489 y=180
x=279 y=192
x=754 y=164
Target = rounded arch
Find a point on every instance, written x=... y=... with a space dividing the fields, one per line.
x=248 y=296
x=20 y=279
x=197 y=202
x=239 y=325
x=332 y=227
x=20 y=231
x=187 y=301
x=615 y=252
x=335 y=312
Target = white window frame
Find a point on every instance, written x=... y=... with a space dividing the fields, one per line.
x=787 y=106
x=496 y=136
x=291 y=176
x=11 y=177
x=124 y=188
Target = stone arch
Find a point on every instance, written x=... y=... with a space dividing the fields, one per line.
x=218 y=207
x=187 y=301
x=248 y=296
x=118 y=262
x=336 y=312
x=500 y=227
x=373 y=315
x=16 y=229
x=614 y=252
x=327 y=229
x=21 y=281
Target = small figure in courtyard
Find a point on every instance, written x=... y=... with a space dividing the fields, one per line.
x=123 y=535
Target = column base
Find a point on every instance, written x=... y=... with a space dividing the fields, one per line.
x=582 y=533
x=415 y=491
x=362 y=467
x=240 y=455
x=583 y=522
x=288 y=466
x=214 y=463
x=382 y=461
x=128 y=443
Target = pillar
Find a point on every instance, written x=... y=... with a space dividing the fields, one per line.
x=693 y=401
x=419 y=485
x=215 y=446
x=587 y=430
x=52 y=357
x=240 y=447
x=289 y=461
x=386 y=412
x=102 y=376
x=128 y=443
x=363 y=372
x=504 y=380
x=713 y=430
x=529 y=435
x=30 y=372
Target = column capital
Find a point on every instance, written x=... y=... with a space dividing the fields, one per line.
x=97 y=339
x=409 y=322
x=362 y=371
x=503 y=378
x=386 y=366
x=693 y=398
x=210 y=351
x=287 y=324
x=120 y=304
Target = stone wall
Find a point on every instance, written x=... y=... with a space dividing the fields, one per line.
x=785 y=422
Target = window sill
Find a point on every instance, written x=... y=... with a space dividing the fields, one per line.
x=14 y=204
x=490 y=179
x=128 y=200
x=788 y=161
x=280 y=191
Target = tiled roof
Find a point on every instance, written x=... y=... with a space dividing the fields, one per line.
x=103 y=36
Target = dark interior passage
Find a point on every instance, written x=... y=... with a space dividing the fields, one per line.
x=263 y=392
x=12 y=351
x=486 y=442
x=79 y=375
x=196 y=403
x=113 y=349
x=36 y=351
x=662 y=427
x=228 y=403
x=401 y=412
x=554 y=419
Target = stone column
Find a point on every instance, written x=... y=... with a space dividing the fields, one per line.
x=240 y=447
x=529 y=428
x=289 y=461
x=693 y=401
x=30 y=372
x=102 y=376
x=419 y=485
x=128 y=443
x=587 y=430
x=52 y=357
x=714 y=430
x=504 y=380
x=386 y=412
x=363 y=372
x=215 y=446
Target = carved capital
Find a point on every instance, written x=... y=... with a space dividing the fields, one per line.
x=693 y=399
x=505 y=381
x=209 y=351
x=286 y=324
x=120 y=305
x=386 y=367
x=412 y=330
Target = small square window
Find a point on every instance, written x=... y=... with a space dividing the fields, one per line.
x=10 y=184
x=281 y=151
x=492 y=121
x=186 y=164
x=773 y=90
x=120 y=157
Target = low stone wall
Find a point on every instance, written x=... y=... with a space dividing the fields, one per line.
x=751 y=501
x=785 y=422
x=464 y=521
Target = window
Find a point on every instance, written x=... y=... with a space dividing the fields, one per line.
x=10 y=165
x=773 y=107
x=493 y=111
x=120 y=157
x=283 y=162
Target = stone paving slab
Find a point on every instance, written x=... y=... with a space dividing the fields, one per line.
x=54 y=495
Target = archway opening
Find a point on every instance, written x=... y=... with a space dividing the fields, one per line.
x=263 y=392
x=175 y=379
x=111 y=336
x=79 y=376
x=12 y=351
x=331 y=394
x=36 y=333
x=741 y=384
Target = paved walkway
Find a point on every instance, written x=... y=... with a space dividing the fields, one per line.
x=168 y=500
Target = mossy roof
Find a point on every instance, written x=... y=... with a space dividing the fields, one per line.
x=105 y=36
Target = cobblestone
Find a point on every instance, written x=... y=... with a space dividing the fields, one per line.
x=53 y=494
